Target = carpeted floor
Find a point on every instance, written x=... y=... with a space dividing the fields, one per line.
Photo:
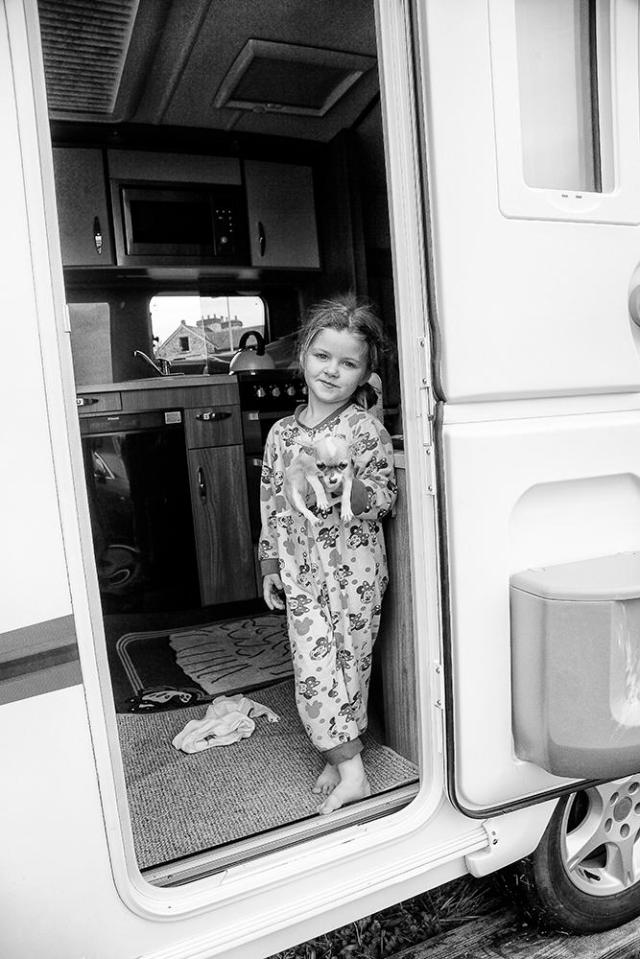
x=181 y=804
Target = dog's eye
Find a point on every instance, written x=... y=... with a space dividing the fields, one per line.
x=321 y=466
x=342 y=466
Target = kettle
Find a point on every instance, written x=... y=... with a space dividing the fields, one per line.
x=251 y=357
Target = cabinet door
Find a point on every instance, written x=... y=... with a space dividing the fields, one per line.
x=282 y=219
x=221 y=522
x=83 y=214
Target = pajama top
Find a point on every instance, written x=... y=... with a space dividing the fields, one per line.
x=334 y=574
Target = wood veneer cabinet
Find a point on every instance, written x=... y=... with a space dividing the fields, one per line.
x=221 y=524
x=219 y=504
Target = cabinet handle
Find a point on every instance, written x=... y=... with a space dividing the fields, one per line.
x=86 y=400
x=256 y=461
x=97 y=235
x=262 y=239
x=210 y=415
x=202 y=485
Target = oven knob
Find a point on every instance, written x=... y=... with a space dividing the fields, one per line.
x=275 y=391
x=291 y=390
x=260 y=392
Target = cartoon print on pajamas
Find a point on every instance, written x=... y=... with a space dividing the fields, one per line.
x=334 y=574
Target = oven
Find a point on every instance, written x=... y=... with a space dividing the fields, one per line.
x=265 y=397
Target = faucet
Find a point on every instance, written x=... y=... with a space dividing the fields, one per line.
x=162 y=367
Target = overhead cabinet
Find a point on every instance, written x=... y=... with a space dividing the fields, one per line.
x=282 y=218
x=172 y=209
x=83 y=211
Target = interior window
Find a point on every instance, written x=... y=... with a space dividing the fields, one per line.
x=195 y=331
x=558 y=88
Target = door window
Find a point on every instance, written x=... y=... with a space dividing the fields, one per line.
x=565 y=96
x=559 y=102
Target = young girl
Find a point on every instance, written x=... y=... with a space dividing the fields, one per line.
x=332 y=575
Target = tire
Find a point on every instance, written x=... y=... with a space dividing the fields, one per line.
x=585 y=874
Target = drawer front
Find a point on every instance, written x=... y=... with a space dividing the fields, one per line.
x=213 y=426
x=98 y=402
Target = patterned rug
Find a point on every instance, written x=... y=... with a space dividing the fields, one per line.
x=170 y=669
x=183 y=804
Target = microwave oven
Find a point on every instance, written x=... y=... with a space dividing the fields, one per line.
x=184 y=225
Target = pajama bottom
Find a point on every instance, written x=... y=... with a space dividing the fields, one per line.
x=333 y=614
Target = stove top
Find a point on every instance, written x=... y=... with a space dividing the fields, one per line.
x=271 y=390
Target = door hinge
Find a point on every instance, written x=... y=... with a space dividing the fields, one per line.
x=428 y=412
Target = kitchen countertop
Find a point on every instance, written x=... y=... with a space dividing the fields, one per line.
x=160 y=382
x=199 y=379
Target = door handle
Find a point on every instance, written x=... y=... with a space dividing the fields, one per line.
x=97 y=235
x=262 y=238
x=202 y=485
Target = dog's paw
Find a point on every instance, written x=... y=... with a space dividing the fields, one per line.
x=346 y=513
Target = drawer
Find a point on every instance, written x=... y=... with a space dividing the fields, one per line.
x=213 y=426
x=98 y=402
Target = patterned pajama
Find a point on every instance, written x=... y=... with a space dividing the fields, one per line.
x=334 y=576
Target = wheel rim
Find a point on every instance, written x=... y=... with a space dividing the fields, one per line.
x=600 y=837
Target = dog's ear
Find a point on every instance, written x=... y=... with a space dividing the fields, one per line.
x=309 y=450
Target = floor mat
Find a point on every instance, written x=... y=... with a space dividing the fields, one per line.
x=182 y=804
x=173 y=668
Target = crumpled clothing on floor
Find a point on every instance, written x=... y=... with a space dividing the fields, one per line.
x=227 y=720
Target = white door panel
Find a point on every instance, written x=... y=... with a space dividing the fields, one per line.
x=522 y=494
x=531 y=288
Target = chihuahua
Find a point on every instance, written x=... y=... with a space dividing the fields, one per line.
x=327 y=468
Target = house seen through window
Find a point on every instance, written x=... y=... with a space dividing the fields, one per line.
x=196 y=333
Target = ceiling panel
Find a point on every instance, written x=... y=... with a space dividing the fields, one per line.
x=180 y=52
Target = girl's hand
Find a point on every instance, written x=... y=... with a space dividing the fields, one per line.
x=272 y=591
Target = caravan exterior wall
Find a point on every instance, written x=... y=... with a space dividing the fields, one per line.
x=535 y=382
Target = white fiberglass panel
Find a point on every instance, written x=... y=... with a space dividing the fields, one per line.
x=522 y=494
x=32 y=565
x=531 y=297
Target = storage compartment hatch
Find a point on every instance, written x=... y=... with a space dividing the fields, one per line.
x=575 y=636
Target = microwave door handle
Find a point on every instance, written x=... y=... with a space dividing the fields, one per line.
x=262 y=238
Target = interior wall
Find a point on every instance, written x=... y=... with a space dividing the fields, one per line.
x=129 y=330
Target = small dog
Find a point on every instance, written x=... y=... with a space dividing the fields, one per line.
x=326 y=468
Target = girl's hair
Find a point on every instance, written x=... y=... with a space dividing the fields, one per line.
x=344 y=312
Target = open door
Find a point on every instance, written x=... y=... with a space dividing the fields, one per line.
x=533 y=147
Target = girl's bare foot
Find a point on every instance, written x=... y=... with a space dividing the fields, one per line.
x=353 y=785
x=327 y=780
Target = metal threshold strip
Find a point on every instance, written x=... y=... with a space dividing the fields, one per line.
x=208 y=863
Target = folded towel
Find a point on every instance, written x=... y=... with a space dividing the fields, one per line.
x=227 y=720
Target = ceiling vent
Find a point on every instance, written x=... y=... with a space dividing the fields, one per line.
x=84 y=45
x=270 y=77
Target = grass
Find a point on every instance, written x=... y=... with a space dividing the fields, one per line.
x=385 y=933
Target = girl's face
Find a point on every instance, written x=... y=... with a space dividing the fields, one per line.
x=334 y=366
